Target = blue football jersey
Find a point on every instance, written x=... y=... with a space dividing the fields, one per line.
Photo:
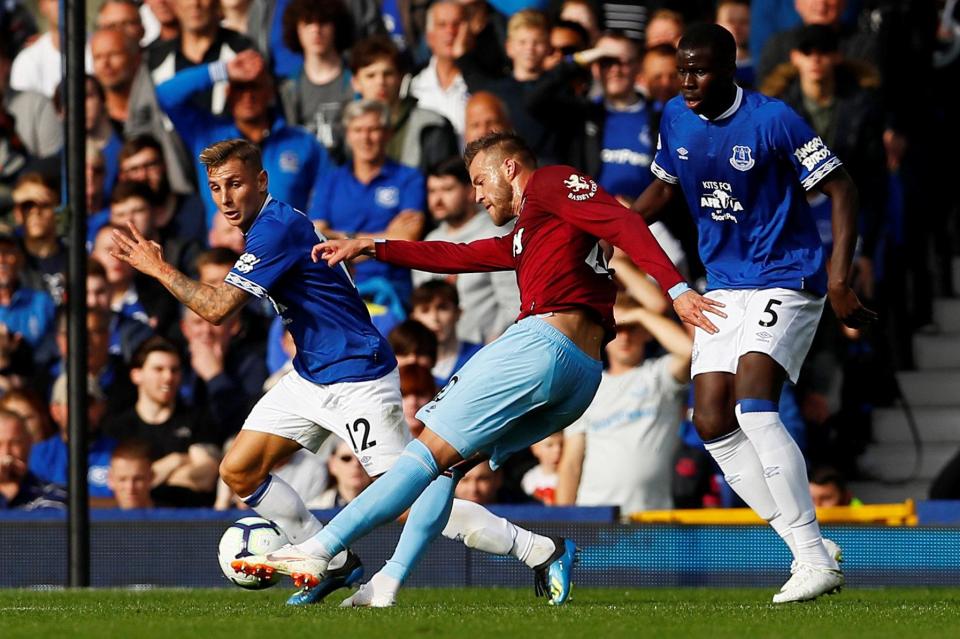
x=627 y=150
x=319 y=305
x=745 y=176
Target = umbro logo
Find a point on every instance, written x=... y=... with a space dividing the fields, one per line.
x=764 y=336
x=682 y=153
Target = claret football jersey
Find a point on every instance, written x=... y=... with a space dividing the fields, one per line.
x=554 y=247
x=745 y=175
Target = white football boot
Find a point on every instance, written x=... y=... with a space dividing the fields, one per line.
x=306 y=570
x=368 y=597
x=809 y=582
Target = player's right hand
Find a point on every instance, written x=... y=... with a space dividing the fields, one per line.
x=847 y=307
x=691 y=308
x=335 y=251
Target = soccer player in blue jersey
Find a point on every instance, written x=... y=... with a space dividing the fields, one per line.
x=344 y=381
x=744 y=163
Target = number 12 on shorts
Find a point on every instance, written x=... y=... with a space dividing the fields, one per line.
x=771 y=312
x=365 y=442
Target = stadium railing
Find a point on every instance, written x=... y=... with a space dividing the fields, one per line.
x=904 y=514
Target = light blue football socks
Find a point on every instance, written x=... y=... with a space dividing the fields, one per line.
x=382 y=501
x=427 y=519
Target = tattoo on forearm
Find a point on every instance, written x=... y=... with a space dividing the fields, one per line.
x=209 y=302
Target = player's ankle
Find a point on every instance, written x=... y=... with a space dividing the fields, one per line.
x=317 y=546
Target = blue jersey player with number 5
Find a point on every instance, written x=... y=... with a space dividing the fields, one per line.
x=744 y=163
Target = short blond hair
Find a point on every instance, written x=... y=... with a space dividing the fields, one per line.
x=218 y=154
x=528 y=19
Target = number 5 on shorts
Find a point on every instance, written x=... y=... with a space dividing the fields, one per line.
x=773 y=314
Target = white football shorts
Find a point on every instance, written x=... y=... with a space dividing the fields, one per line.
x=366 y=415
x=777 y=321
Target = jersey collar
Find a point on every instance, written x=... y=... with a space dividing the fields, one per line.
x=737 y=101
x=266 y=201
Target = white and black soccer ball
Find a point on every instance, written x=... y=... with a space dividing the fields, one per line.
x=245 y=537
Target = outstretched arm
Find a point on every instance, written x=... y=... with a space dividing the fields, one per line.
x=843 y=195
x=212 y=303
x=593 y=210
x=480 y=256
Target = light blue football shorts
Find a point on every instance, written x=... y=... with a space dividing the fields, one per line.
x=529 y=383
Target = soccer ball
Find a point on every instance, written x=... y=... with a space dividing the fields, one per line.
x=249 y=536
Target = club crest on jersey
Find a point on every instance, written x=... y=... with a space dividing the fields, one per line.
x=289 y=162
x=580 y=188
x=387 y=196
x=246 y=262
x=742 y=158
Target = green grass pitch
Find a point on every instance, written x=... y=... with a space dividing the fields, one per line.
x=902 y=613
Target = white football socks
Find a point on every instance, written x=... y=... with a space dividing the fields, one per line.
x=743 y=471
x=786 y=477
x=480 y=529
x=280 y=503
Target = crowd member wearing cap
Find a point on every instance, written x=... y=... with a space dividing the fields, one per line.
x=49 y=458
x=621 y=450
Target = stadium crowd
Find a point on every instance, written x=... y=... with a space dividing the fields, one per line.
x=361 y=109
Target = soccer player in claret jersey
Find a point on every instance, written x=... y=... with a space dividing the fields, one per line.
x=744 y=162
x=344 y=381
x=534 y=380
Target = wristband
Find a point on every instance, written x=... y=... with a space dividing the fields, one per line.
x=218 y=71
x=677 y=290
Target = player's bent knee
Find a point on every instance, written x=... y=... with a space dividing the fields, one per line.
x=712 y=424
x=242 y=478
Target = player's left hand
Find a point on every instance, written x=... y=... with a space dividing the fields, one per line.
x=847 y=307
x=137 y=251
x=691 y=307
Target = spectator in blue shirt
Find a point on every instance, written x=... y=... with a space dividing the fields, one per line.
x=291 y=155
x=48 y=459
x=19 y=488
x=24 y=311
x=372 y=196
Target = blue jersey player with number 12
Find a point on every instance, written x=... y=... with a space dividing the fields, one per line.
x=744 y=163
x=344 y=379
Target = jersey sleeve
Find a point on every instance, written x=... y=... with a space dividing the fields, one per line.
x=806 y=151
x=579 y=200
x=266 y=259
x=479 y=256
x=662 y=165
